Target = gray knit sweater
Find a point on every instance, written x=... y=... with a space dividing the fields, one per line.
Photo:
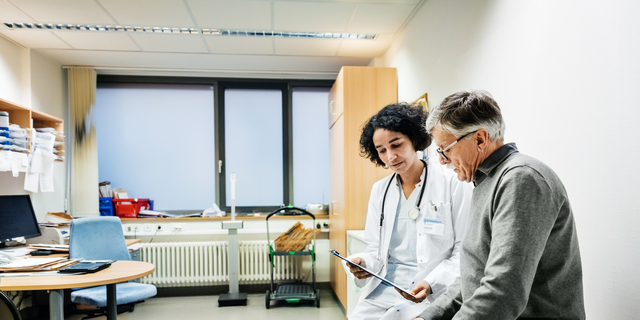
x=520 y=258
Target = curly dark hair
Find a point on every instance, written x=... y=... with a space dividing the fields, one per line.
x=401 y=117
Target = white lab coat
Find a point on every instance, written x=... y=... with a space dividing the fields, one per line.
x=438 y=256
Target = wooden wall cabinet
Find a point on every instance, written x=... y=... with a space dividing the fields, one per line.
x=357 y=94
x=30 y=119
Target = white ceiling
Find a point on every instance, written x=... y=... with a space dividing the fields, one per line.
x=202 y=54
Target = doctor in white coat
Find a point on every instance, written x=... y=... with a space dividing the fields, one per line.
x=414 y=229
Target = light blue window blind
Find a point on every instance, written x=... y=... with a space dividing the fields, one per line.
x=310 y=146
x=253 y=146
x=157 y=142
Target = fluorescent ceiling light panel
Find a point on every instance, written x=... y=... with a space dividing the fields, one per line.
x=174 y=30
x=288 y=34
x=99 y=28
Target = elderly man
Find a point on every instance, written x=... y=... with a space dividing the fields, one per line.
x=520 y=258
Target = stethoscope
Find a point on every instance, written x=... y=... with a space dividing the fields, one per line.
x=413 y=213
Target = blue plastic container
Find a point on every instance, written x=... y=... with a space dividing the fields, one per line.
x=4 y=127
x=106 y=206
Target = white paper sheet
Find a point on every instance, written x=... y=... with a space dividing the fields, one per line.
x=46 y=182
x=5 y=165
x=45 y=140
x=23 y=159
x=46 y=176
x=46 y=246
x=15 y=169
x=35 y=274
x=20 y=263
x=37 y=164
x=47 y=161
x=31 y=182
x=17 y=251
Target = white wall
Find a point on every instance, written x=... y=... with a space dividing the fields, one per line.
x=33 y=80
x=49 y=95
x=13 y=58
x=566 y=75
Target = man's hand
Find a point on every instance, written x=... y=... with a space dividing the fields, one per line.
x=421 y=291
x=357 y=272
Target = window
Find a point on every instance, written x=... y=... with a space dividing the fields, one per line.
x=157 y=141
x=177 y=141
x=310 y=137
x=253 y=146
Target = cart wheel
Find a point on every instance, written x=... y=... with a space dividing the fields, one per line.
x=267 y=299
x=318 y=298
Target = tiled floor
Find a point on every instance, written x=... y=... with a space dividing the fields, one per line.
x=206 y=307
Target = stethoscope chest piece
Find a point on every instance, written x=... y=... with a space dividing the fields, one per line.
x=414 y=213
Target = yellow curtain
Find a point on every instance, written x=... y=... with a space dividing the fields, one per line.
x=83 y=200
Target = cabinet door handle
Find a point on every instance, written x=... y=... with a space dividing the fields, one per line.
x=332 y=207
x=332 y=107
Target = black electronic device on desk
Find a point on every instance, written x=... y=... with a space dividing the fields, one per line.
x=87 y=266
x=41 y=252
x=18 y=218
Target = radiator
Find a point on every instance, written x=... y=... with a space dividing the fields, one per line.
x=205 y=263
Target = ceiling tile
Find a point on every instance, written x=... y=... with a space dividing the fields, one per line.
x=36 y=39
x=240 y=45
x=307 y=47
x=170 y=42
x=232 y=14
x=9 y=12
x=150 y=13
x=64 y=11
x=365 y=48
x=379 y=18
x=312 y=16
x=98 y=40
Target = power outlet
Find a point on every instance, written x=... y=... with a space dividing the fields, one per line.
x=148 y=228
x=177 y=227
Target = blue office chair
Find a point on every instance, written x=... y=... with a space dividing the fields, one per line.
x=101 y=238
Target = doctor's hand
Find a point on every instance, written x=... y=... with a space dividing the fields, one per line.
x=421 y=291
x=357 y=272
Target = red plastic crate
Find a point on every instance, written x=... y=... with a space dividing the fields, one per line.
x=127 y=208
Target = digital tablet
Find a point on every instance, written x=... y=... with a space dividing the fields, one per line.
x=86 y=267
x=384 y=281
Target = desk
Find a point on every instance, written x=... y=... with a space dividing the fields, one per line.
x=119 y=271
x=132 y=241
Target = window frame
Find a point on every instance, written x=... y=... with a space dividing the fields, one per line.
x=219 y=84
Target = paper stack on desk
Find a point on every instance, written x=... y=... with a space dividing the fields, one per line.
x=160 y=214
x=54 y=247
x=37 y=264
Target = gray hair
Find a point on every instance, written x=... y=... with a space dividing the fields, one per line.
x=468 y=111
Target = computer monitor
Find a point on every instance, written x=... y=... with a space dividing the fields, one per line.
x=17 y=218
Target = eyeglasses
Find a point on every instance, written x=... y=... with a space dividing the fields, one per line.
x=441 y=152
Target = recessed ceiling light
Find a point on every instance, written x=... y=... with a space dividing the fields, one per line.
x=176 y=30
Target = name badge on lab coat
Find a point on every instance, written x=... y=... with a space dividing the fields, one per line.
x=432 y=226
